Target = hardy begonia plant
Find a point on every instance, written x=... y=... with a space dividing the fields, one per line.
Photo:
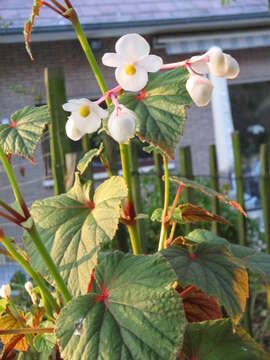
x=90 y=300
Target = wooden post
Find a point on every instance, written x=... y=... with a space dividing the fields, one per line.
x=239 y=188
x=186 y=171
x=59 y=143
x=214 y=183
x=265 y=193
x=159 y=174
x=136 y=189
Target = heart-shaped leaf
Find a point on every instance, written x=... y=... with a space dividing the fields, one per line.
x=25 y=130
x=161 y=109
x=211 y=268
x=72 y=227
x=134 y=314
x=218 y=339
x=207 y=191
x=255 y=261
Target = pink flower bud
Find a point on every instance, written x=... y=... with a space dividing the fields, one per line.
x=199 y=89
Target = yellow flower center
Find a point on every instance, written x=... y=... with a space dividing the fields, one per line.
x=84 y=111
x=130 y=70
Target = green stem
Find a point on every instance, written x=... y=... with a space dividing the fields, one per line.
x=61 y=286
x=89 y=54
x=163 y=233
x=13 y=182
x=132 y=229
x=30 y=271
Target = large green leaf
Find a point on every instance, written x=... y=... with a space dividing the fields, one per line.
x=24 y=132
x=218 y=340
x=257 y=262
x=207 y=191
x=161 y=109
x=134 y=314
x=211 y=268
x=72 y=227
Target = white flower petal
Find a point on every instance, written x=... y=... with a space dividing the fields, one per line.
x=232 y=67
x=151 y=63
x=132 y=47
x=114 y=60
x=122 y=126
x=89 y=124
x=134 y=82
x=217 y=62
x=200 y=89
x=199 y=65
x=5 y=291
x=73 y=104
x=72 y=131
x=99 y=111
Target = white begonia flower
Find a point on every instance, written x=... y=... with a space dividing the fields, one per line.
x=85 y=117
x=132 y=62
x=200 y=89
x=122 y=124
x=217 y=62
x=5 y=291
x=28 y=287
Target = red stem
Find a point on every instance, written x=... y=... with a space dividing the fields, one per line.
x=59 y=6
x=10 y=218
x=12 y=211
x=186 y=291
x=177 y=196
x=68 y=3
x=52 y=7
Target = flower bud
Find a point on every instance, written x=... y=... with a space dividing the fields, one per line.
x=199 y=89
x=5 y=291
x=217 y=62
x=28 y=287
x=122 y=124
x=232 y=67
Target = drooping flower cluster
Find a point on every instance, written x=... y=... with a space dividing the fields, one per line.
x=215 y=61
x=133 y=62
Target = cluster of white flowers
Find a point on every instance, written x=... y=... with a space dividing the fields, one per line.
x=215 y=61
x=5 y=291
x=133 y=62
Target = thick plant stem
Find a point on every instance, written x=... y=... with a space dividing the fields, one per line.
x=163 y=233
x=61 y=286
x=46 y=295
x=132 y=229
x=13 y=182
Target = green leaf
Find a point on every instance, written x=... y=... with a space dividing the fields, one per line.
x=135 y=313
x=207 y=191
x=25 y=130
x=3 y=304
x=87 y=159
x=72 y=227
x=211 y=268
x=217 y=339
x=257 y=262
x=45 y=343
x=161 y=112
